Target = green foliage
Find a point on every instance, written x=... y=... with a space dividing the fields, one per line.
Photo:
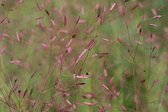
x=125 y=63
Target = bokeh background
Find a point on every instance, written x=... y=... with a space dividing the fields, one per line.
x=125 y=70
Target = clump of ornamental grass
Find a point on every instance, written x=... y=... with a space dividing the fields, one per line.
x=73 y=57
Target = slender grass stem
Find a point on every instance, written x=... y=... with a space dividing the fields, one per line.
x=149 y=66
x=132 y=64
x=6 y=101
x=161 y=98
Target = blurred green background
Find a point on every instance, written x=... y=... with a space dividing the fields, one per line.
x=127 y=67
